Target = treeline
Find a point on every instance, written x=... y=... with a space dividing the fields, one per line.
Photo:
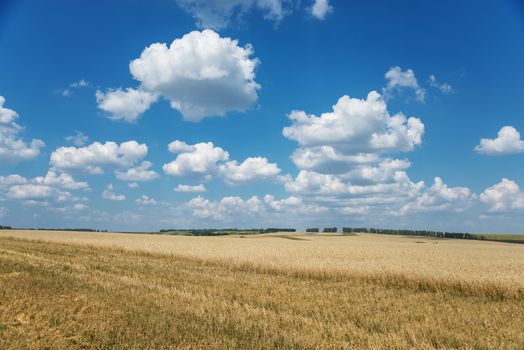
x=227 y=231
x=326 y=229
x=56 y=229
x=5 y=227
x=423 y=233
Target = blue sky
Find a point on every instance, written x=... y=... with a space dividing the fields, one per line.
x=287 y=113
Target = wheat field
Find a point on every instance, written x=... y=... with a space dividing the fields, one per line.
x=65 y=290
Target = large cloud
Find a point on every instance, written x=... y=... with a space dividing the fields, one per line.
x=507 y=142
x=439 y=197
x=12 y=148
x=198 y=160
x=217 y=14
x=504 y=196
x=204 y=159
x=232 y=208
x=202 y=74
x=51 y=187
x=353 y=128
x=96 y=157
x=253 y=168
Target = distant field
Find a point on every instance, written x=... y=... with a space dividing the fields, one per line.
x=102 y=290
x=505 y=238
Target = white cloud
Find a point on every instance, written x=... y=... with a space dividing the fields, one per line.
x=356 y=126
x=62 y=180
x=443 y=87
x=139 y=173
x=328 y=159
x=190 y=189
x=12 y=180
x=203 y=208
x=310 y=182
x=110 y=195
x=507 y=142
x=41 y=190
x=283 y=204
x=82 y=83
x=383 y=172
x=232 y=208
x=198 y=160
x=399 y=79
x=321 y=8
x=217 y=14
x=504 y=196
x=146 y=200
x=97 y=156
x=12 y=148
x=79 y=139
x=30 y=191
x=439 y=197
x=253 y=168
x=132 y=185
x=127 y=105
x=203 y=160
x=202 y=74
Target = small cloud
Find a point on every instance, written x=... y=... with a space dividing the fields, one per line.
x=190 y=189
x=443 y=87
x=79 y=139
x=110 y=195
x=399 y=79
x=66 y=92
x=321 y=9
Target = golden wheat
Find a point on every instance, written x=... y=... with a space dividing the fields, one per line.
x=138 y=291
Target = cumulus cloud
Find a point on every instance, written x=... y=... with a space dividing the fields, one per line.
x=190 y=189
x=12 y=180
x=198 y=160
x=507 y=142
x=62 y=180
x=12 y=147
x=219 y=210
x=439 y=197
x=217 y=14
x=310 y=182
x=321 y=8
x=504 y=196
x=356 y=126
x=139 y=173
x=42 y=189
x=79 y=139
x=399 y=79
x=203 y=160
x=201 y=74
x=229 y=208
x=127 y=105
x=253 y=168
x=30 y=191
x=110 y=195
x=443 y=87
x=97 y=156
x=329 y=159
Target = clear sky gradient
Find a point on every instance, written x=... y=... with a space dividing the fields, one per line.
x=393 y=114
